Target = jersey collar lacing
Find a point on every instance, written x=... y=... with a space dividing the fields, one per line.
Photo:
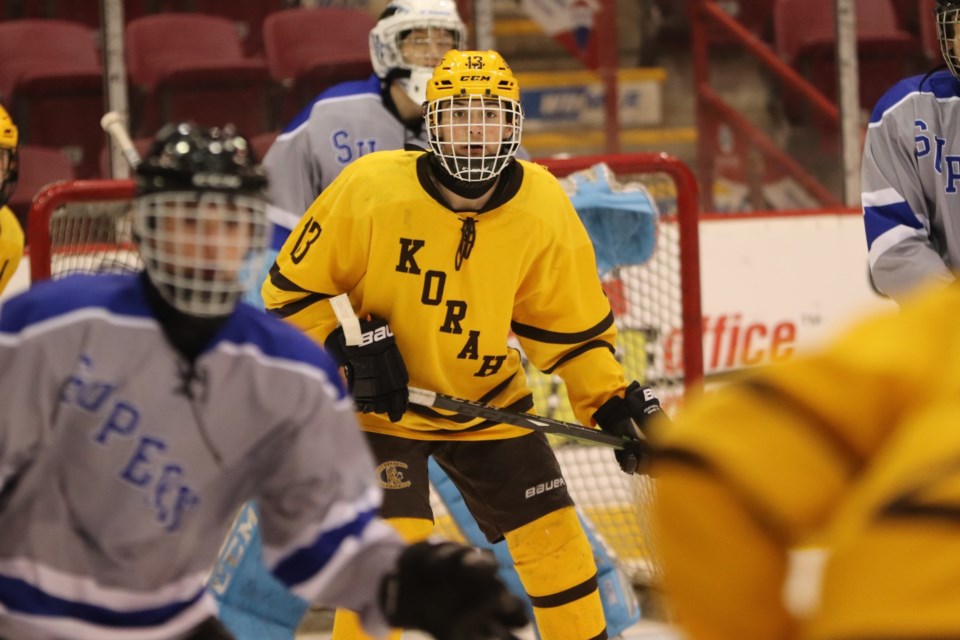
x=468 y=234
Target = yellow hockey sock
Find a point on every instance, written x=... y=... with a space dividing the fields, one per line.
x=555 y=563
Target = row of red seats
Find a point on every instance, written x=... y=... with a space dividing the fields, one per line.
x=805 y=38
x=180 y=66
x=40 y=166
x=766 y=19
x=247 y=15
x=895 y=38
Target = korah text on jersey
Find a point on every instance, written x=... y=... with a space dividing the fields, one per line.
x=432 y=294
x=432 y=291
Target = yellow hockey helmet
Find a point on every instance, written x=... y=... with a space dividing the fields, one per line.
x=9 y=165
x=475 y=73
x=473 y=115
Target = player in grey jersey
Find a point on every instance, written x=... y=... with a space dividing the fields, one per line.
x=378 y=114
x=140 y=412
x=911 y=173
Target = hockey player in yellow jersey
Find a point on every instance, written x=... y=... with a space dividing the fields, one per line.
x=11 y=235
x=857 y=444
x=443 y=254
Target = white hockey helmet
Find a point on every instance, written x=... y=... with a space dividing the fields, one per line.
x=200 y=218
x=398 y=19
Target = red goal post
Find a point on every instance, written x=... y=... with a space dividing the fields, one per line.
x=73 y=223
x=84 y=226
x=668 y=179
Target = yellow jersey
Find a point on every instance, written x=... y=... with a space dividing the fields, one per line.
x=454 y=286
x=858 y=445
x=11 y=245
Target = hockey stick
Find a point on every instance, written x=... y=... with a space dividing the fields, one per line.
x=423 y=397
x=426 y=398
x=112 y=123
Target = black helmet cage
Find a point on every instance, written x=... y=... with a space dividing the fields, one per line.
x=8 y=182
x=947 y=14
x=201 y=217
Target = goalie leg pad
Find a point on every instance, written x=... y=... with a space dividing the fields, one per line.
x=553 y=557
x=346 y=624
x=253 y=603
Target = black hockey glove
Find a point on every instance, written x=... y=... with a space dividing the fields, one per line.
x=452 y=592
x=626 y=417
x=376 y=375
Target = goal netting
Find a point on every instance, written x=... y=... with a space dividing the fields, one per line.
x=84 y=226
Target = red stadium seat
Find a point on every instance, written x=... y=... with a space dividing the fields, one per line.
x=305 y=64
x=52 y=83
x=248 y=16
x=39 y=166
x=190 y=66
x=805 y=37
x=907 y=15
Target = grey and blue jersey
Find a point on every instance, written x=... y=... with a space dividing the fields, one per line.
x=910 y=182
x=122 y=466
x=343 y=123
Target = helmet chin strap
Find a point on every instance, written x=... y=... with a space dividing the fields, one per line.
x=402 y=78
x=415 y=83
x=462 y=188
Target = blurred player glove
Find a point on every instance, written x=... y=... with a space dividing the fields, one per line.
x=626 y=417
x=376 y=375
x=452 y=592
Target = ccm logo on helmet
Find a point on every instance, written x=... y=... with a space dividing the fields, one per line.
x=474 y=78
x=378 y=334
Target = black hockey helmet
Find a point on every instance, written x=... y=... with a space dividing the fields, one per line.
x=187 y=157
x=200 y=219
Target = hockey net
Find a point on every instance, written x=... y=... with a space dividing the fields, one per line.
x=85 y=226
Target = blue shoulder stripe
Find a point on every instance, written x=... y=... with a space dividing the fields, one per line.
x=342 y=90
x=879 y=220
x=940 y=84
x=277 y=339
x=121 y=294
x=20 y=596
x=308 y=562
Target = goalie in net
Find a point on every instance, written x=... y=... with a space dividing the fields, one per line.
x=444 y=253
x=124 y=452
